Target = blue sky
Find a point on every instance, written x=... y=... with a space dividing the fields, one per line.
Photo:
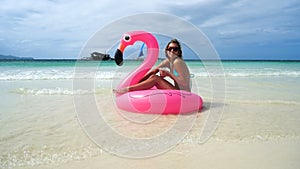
x=239 y=29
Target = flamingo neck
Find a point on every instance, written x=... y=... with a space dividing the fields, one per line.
x=151 y=58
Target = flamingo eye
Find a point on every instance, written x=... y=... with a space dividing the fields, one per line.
x=126 y=38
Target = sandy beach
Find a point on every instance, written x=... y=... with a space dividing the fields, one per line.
x=213 y=154
x=259 y=127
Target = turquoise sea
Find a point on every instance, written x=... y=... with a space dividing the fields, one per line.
x=39 y=124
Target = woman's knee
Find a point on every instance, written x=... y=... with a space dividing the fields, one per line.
x=155 y=77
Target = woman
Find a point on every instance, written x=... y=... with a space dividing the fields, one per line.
x=179 y=72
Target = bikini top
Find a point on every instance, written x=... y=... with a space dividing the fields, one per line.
x=175 y=73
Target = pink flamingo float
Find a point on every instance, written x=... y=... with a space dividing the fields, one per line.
x=151 y=101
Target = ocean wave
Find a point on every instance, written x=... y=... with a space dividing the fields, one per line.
x=244 y=137
x=238 y=73
x=263 y=73
x=52 y=91
x=55 y=75
x=70 y=74
x=259 y=102
x=34 y=156
x=36 y=75
x=255 y=137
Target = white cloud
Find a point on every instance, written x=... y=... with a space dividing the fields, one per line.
x=68 y=24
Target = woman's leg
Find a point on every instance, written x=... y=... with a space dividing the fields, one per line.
x=152 y=81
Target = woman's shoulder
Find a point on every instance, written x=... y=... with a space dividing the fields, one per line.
x=179 y=61
x=180 y=64
x=166 y=62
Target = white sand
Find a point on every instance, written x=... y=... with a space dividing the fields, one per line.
x=281 y=154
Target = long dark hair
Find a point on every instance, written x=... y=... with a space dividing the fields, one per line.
x=179 y=46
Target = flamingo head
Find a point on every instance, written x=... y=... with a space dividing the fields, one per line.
x=125 y=41
x=130 y=38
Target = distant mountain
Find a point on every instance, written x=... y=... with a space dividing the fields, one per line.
x=10 y=57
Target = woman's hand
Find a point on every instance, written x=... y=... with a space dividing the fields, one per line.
x=152 y=72
x=164 y=73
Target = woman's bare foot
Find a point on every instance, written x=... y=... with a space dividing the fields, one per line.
x=120 y=91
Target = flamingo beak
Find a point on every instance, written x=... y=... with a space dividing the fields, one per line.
x=119 y=55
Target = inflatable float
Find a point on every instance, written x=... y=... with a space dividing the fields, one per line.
x=151 y=101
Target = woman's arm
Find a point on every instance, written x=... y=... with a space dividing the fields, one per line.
x=155 y=70
x=164 y=63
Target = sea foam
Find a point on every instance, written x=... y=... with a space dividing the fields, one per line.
x=51 y=91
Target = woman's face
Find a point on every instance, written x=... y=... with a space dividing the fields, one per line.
x=173 y=50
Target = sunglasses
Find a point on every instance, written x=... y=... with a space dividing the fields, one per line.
x=175 y=49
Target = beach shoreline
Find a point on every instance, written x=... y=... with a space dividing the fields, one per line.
x=212 y=154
